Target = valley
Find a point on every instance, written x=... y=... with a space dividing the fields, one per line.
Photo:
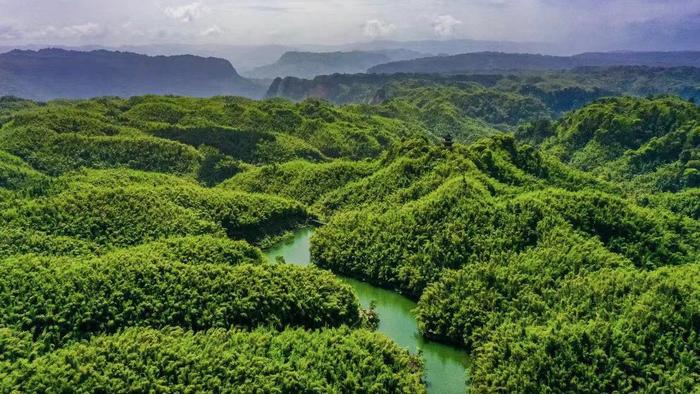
x=543 y=250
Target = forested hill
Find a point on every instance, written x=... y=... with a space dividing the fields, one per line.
x=555 y=92
x=56 y=73
x=492 y=61
x=563 y=257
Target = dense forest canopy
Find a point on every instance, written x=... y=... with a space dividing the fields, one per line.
x=557 y=240
x=559 y=91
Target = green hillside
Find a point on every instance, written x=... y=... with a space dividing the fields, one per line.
x=654 y=143
x=561 y=253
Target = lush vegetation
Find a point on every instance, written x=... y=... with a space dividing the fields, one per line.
x=174 y=361
x=612 y=330
x=127 y=215
x=562 y=256
x=186 y=136
x=557 y=277
x=654 y=142
x=473 y=104
x=300 y=180
x=488 y=206
x=85 y=297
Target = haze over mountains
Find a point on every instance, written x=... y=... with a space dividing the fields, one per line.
x=311 y=64
x=498 y=61
x=248 y=57
x=56 y=73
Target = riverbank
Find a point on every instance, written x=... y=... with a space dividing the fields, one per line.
x=445 y=366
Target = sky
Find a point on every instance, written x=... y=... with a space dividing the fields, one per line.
x=585 y=24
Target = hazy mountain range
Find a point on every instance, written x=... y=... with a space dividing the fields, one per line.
x=498 y=61
x=249 y=57
x=311 y=64
x=58 y=73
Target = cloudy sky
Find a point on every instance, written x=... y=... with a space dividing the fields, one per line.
x=587 y=24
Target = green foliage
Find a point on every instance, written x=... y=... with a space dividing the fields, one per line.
x=573 y=276
x=16 y=174
x=247 y=145
x=203 y=249
x=408 y=247
x=80 y=298
x=416 y=168
x=272 y=130
x=303 y=181
x=686 y=202
x=217 y=167
x=521 y=258
x=653 y=142
x=14 y=345
x=615 y=330
x=466 y=305
x=162 y=134
x=17 y=241
x=557 y=91
x=127 y=215
x=88 y=179
x=446 y=108
x=56 y=153
x=174 y=361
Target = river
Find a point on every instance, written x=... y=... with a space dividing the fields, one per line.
x=445 y=366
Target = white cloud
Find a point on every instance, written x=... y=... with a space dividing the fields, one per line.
x=212 y=31
x=376 y=28
x=444 y=25
x=187 y=12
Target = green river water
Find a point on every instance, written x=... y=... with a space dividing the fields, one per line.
x=445 y=366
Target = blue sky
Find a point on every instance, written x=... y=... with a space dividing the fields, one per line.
x=585 y=24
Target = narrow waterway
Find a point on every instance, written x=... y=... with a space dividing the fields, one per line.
x=445 y=366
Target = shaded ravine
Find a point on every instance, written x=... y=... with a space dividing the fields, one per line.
x=444 y=365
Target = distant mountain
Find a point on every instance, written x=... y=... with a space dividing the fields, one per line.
x=243 y=57
x=478 y=61
x=311 y=64
x=57 y=73
x=499 y=61
x=449 y=47
x=248 y=57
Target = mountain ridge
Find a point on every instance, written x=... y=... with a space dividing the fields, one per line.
x=57 y=73
x=503 y=61
x=303 y=64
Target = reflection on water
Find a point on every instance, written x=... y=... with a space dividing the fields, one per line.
x=445 y=365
